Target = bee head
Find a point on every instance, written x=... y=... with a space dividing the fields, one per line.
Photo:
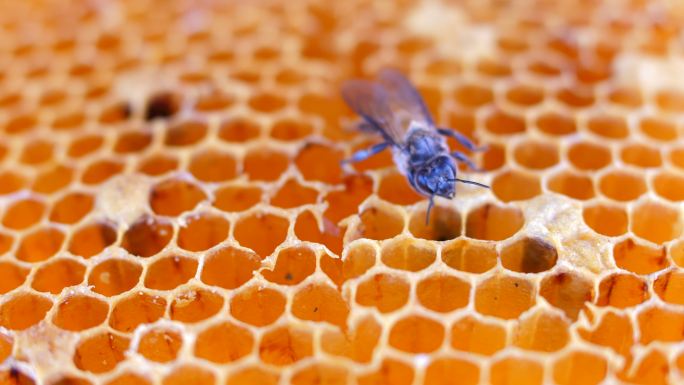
x=436 y=177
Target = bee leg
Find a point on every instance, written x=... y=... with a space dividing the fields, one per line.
x=461 y=139
x=427 y=214
x=461 y=157
x=367 y=153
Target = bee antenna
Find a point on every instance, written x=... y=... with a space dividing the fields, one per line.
x=468 y=182
x=427 y=215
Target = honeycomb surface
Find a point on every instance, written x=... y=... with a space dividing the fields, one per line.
x=173 y=210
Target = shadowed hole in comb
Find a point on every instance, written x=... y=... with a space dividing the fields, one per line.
x=202 y=231
x=223 y=343
x=579 y=367
x=195 y=305
x=285 y=345
x=320 y=302
x=189 y=374
x=568 y=291
x=292 y=266
x=136 y=309
x=261 y=232
x=529 y=255
x=504 y=296
x=471 y=334
x=655 y=222
x=493 y=222
x=445 y=223
x=160 y=345
x=11 y=276
x=175 y=196
x=408 y=254
x=90 y=240
x=114 y=276
x=443 y=293
x=23 y=310
x=265 y=164
x=79 y=312
x=589 y=156
x=573 y=185
x=440 y=369
x=385 y=292
x=257 y=306
x=213 y=165
x=229 y=267
x=416 y=334
x=23 y=213
x=40 y=244
x=639 y=258
x=157 y=164
x=170 y=272
x=162 y=105
x=147 y=236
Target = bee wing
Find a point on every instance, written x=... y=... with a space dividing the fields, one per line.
x=372 y=102
x=403 y=96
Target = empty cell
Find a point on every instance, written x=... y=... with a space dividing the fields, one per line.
x=493 y=222
x=568 y=291
x=535 y=155
x=79 y=312
x=416 y=334
x=57 y=274
x=395 y=188
x=516 y=371
x=72 y=207
x=36 y=152
x=658 y=128
x=658 y=324
x=469 y=256
x=515 y=186
x=90 y=240
x=229 y=267
x=670 y=287
x=359 y=258
x=573 y=185
x=445 y=223
x=677 y=157
x=236 y=198
x=53 y=179
x=529 y=255
x=306 y=228
x=608 y=126
x=175 y=196
x=101 y=170
x=185 y=133
x=541 y=331
x=23 y=310
x=385 y=292
x=391 y=371
x=214 y=100
x=132 y=142
x=258 y=306
x=189 y=375
x=670 y=100
x=606 y=219
x=320 y=302
x=267 y=102
x=589 y=155
x=224 y=342
x=293 y=194
x=472 y=95
x=261 y=232
x=265 y=164
x=285 y=345
x=21 y=123
x=23 y=213
x=556 y=124
x=579 y=367
x=114 y=276
x=477 y=336
x=147 y=236
x=202 y=231
x=128 y=378
x=291 y=129
x=319 y=373
x=502 y=123
x=345 y=202
x=444 y=371
x=641 y=155
x=408 y=254
x=11 y=182
x=656 y=222
x=11 y=276
x=253 y=375
x=651 y=369
x=40 y=244
x=317 y=162
x=669 y=185
x=576 y=96
x=493 y=68
x=638 y=258
x=136 y=309
x=494 y=158
x=6 y=242
x=115 y=113
x=622 y=185
x=504 y=296
x=238 y=130
x=525 y=95
x=68 y=121
x=443 y=293
x=626 y=97
x=613 y=330
x=357 y=343
x=170 y=272
x=157 y=164
x=381 y=222
x=195 y=305
x=292 y=266
x=213 y=165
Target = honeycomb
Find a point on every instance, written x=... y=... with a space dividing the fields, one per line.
x=173 y=209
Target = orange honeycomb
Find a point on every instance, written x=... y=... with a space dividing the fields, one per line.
x=173 y=209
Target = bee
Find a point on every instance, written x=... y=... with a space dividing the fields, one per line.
x=393 y=108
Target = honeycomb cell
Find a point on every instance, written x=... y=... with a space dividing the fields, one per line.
x=258 y=306
x=101 y=170
x=502 y=123
x=529 y=255
x=477 y=336
x=535 y=155
x=160 y=345
x=556 y=124
x=223 y=343
x=443 y=371
x=100 y=353
x=515 y=186
x=265 y=164
x=189 y=375
x=493 y=68
x=626 y=97
x=391 y=371
x=253 y=375
x=132 y=141
x=36 y=152
x=524 y=95
x=292 y=266
x=11 y=276
x=443 y=293
x=658 y=129
x=291 y=129
x=655 y=222
x=320 y=163
x=445 y=223
x=40 y=244
x=202 y=231
x=229 y=267
x=174 y=196
x=11 y=182
x=493 y=222
x=52 y=179
x=473 y=95
x=57 y=274
x=214 y=101
x=504 y=296
x=90 y=240
x=157 y=164
x=622 y=290
x=114 y=276
x=147 y=236
x=408 y=254
x=614 y=331
x=516 y=371
x=293 y=194
x=238 y=130
x=608 y=126
x=606 y=219
x=541 y=331
x=285 y=345
x=579 y=367
x=573 y=185
x=236 y=198
x=128 y=378
x=6 y=242
x=589 y=155
x=356 y=344
x=622 y=186
x=652 y=369
x=670 y=100
x=261 y=232
x=494 y=158
x=469 y=256
x=641 y=155
x=567 y=291
x=72 y=207
x=385 y=292
x=320 y=303
x=359 y=258
x=195 y=305
x=80 y=312
x=136 y=309
x=416 y=334
x=669 y=287
x=170 y=272
x=395 y=188
x=211 y=165
x=382 y=222
x=23 y=310
x=21 y=123
x=657 y=324
x=669 y=186
x=115 y=113
x=68 y=121
x=639 y=258
x=343 y=203
x=6 y=346
x=267 y=102
x=185 y=133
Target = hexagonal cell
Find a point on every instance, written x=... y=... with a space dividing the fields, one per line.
x=541 y=331
x=258 y=306
x=638 y=258
x=535 y=155
x=622 y=185
x=608 y=126
x=503 y=123
x=670 y=100
x=132 y=141
x=157 y=164
x=114 y=276
x=229 y=267
x=441 y=369
x=656 y=222
x=189 y=374
x=477 y=336
x=357 y=343
x=236 y=198
x=285 y=345
x=319 y=163
x=670 y=287
x=493 y=222
x=472 y=95
x=576 y=96
x=265 y=164
x=170 y=272
x=516 y=370
x=261 y=232
x=291 y=129
x=238 y=130
x=571 y=184
x=641 y=155
x=589 y=155
x=84 y=145
x=386 y=292
x=525 y=95
x=129 y=378
x=162 y=104
x=100 y=353
x=556 y=124
x=359 y=258
x=72 y=207
x=612 y=330
x=658 y=128
x=136 y=309
x=57 y=274
x=504 y=296
x=101 y=170
x=606 y=219
x=669 y=185
x=292 y=266
x=253 y=375
x=147 y=236
x=579 y=367
x=515 y=186
x=185 y=133
x=568 y=291
x=267 y=102
x=395 y=188
x=293 y=194
x=622 y=290
x=90 y=240
x=213 y=165
x=443 y=293
x=79 y=312
x=408 y=254
x=652 y=369
x=23 y=213
x=40 y=244
x=658 y=324
x=11 y=276
x=175 y=196
x=195 y=305
x=529 y=255
x=202 y=231
x=416 y=334
x=626 y=97
x=320 y=303
x=445 y=223
x=380 y=222
x=469 y=256
x=11 y=182
x=676 y=157
x=223 y=342
x=343 y=203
